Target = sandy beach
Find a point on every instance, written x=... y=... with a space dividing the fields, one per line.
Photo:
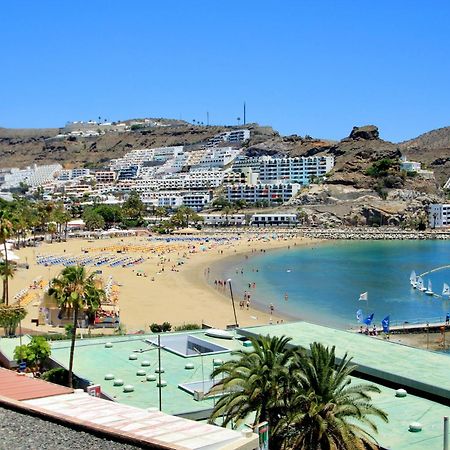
x=170 y=285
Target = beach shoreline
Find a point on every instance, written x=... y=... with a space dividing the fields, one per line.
x=165 y=290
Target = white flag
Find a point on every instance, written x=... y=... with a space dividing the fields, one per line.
x=364 y=296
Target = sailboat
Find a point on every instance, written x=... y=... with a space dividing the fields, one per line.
x=420 y=285
x=429 y=290
x=413 y=279
x=446 y=289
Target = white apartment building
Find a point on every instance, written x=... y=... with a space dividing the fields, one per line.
x=77 y=190
x=105 y=176
x=439 y=215
x=272 y=193
x=32 y=176
x=140 y=157
x=246 y=175
x=234 y=136
x=170 y=199
x=135 y=157
x=194 y=180
x=219 y=157
x=221 y=220
x=295 y=170
x=279 y=219
x=165 y=153
x=70 y=174
x=253 y=162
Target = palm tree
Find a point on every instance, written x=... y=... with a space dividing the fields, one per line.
x=6 y=272
x=328 y=411
x=255 y=382
x=6 y=229
x=75 y=290
x=51 y=228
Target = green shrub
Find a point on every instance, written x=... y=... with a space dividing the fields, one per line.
x=164 y=327
x=57 y=375
x=382 y=168
x=34 y=353
x=188 y=326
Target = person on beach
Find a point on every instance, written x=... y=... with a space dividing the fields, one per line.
x=447 y=319
x=286 y=296
x=271 y=308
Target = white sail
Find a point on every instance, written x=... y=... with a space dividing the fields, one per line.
x=413 y=277
x=429 y=290
x=420 y=285
x=446 y=289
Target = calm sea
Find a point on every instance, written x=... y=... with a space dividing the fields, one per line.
x=323 y=282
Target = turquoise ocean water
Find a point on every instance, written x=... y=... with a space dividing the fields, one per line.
x=323 y=282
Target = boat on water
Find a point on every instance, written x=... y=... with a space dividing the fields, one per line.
x=429 y=290
x=413 y=279
x=446 y=289
x=420 y=284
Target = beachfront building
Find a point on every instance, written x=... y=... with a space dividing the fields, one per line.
x=439 y=215
x=221 y=220
x=280 y=219
x=295 y=170
x=272 y=193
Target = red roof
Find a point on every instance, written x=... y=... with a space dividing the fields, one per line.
x=21 y=387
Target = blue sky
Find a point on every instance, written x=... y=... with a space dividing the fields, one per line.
x=304 y=67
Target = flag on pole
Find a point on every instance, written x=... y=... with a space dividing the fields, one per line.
x=385 y=324
x=359 y=315
x=368 y=319
x=364 y=296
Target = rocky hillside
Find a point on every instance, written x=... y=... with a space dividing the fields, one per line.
x=436 y=139
x=366 y=185
x=19 y=148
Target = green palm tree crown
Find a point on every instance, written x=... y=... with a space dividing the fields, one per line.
x=308 y=399
x=328 y=411
x=74 y=290
x=254 y=382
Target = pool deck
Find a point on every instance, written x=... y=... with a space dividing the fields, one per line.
x=426 y=373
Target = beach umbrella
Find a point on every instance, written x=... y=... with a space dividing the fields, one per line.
x=11 y=256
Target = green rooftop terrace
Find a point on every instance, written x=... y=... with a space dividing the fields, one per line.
x=93 y=361
x=428 y=373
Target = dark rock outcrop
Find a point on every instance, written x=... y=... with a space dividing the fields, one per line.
x=367 y=132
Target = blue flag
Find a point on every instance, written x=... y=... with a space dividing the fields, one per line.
x=385 y=324
x=368 y=319
x=359 y=315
